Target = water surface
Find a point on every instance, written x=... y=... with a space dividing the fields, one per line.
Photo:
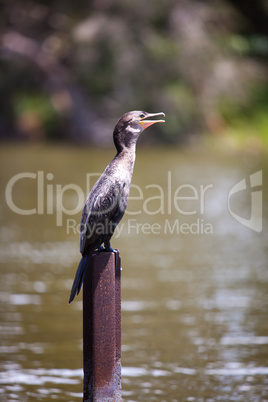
x=194 y=279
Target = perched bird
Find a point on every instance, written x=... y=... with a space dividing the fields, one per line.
x=107 y=201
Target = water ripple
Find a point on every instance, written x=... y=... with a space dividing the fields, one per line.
x=41 y=376
x=65 y=252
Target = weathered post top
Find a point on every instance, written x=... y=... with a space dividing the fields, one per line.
x=102 y=328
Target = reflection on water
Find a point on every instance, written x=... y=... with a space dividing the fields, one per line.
x=194 y=303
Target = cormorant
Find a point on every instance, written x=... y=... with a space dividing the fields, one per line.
x=107 y=201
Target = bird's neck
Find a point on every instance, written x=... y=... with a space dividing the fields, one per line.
x=127 y=157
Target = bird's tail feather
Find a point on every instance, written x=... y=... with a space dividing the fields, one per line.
x=79 y=276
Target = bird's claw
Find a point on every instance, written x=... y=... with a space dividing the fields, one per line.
x=101 y=248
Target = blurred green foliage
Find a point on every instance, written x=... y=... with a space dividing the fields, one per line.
x=69 y=70
x=36 y=114
x=247 y=120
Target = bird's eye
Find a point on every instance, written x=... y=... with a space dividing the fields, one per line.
x=142 y=115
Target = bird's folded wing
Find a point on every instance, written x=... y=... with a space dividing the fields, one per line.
x=98 y=212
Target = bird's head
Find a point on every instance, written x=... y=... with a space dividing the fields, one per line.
x=131 y=125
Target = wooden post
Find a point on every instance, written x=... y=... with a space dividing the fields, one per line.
x=102 y=328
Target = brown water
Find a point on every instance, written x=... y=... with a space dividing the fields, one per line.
x=194 y=279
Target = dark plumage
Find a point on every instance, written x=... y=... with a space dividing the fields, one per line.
x=107 y=201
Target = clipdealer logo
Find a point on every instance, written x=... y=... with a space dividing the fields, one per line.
x=184 y=200
x=255 y=220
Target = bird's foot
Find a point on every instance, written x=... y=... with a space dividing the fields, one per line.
x=112 y=250
x=107 y=248
x=101 y=248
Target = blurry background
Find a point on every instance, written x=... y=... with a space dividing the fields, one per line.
x=194 y=301
x=67 y=69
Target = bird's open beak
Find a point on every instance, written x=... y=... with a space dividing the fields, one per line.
x=146 y=123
